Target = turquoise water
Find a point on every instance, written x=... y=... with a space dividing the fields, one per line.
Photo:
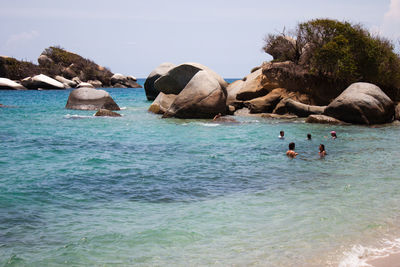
x=141 y=190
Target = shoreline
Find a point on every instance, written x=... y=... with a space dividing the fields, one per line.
x=392 y=260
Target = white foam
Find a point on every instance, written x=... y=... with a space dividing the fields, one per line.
x=123 y=108
x=360 y=255
x=75 y=116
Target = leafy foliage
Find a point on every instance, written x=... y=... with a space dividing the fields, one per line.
x=340 y=51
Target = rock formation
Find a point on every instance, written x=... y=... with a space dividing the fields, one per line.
x=90 y=99
x=106 y=113
x=41 y=82
x=151 y=91
x=8 y=84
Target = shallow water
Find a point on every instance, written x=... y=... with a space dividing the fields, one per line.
x=141 y=190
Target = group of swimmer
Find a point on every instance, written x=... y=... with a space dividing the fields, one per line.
x=292 y=154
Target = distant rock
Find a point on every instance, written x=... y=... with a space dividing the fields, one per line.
x=175 y=80
x=95 y=83
x=202 y=97
x=84 y=85
x=126 y=81
x=106 y=113
x=162 y=103
x=44 y=60
x=151 y=91
x=90 y=99
x=118 y=85
x=323 y=119
x=67 y=83
x=254 y=86
x=77 y=80
x=362 y=103
x=43 y=82
x=7 y=84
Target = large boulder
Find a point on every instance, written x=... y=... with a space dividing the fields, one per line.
x=303 y=110
x=151 y=91
x=162 y=103
x=267 y=103
x=125 y=81
x=362 y=103
x=90 y=99
x=41 y=82
x=67 y=83
x=202 y=97
x=175 y=80
x=254 y=86
x=8 y=84
x=323 y=119
x=106 y=113
x=232 y=91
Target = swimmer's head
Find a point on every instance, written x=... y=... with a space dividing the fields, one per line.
x=309 y=136
x=281 y=133
x=291 y=146
x=321 y=147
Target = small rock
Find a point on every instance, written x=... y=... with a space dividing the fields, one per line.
x=106 y=113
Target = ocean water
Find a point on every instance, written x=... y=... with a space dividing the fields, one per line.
x=139 y=190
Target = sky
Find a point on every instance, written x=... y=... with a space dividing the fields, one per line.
x=134 y=37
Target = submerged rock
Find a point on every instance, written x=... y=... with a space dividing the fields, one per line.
x=362 y=103
x=90 y=99
x=42 y=81
x=106 y=113
x=202 y=97
x=323 y=119
x=8 y=84
x=151 y=91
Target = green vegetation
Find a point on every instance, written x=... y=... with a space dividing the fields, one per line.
x=340 y=51
x=16 y=70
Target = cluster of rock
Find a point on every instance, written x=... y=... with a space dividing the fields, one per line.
x=59 y=73
x=192 y=90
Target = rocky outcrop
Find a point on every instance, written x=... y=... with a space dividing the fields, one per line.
x=267 y=103
x=303 y=110
x=323 y=119
x=84 y=85
x=44 y=60
x=162 y=103
x=121 y=81
x=175 y=80
x=42 y=82
x=362 y=103
x=95 y=83
x=67 y=83
x=90 y=99
x=151 y=91
x=232 y=91
x=254 y=86
x=7 y=84
x=106 y=113
x=202 y=97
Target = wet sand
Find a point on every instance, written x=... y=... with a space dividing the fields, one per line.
x=392 y=260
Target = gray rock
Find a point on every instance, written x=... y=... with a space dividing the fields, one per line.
x=106 y=113
x=44 y=60
x=84 y=85
x=303 y=110
x=362 y=103
x=202 y=97
x=323 y=119
x=90 y=99
x=77 y=80
x=126 y=81
x=7 y=84
x=397 y=112
x=42 y=81
x=67 y=83
x=162 y=103
x=151 y=91
x=96 y=83
x=175 y=80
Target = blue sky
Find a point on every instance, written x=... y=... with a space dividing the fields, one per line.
x=133 y=37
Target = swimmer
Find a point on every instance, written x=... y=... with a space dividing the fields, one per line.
x=322 y=152
x=281 y=135
x=333 y=134
x=308 y=136
x=217 y=116
x=291 y=153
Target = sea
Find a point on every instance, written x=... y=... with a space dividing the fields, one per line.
x=139 y=190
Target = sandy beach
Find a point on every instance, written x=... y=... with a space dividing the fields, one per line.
x=392 y=260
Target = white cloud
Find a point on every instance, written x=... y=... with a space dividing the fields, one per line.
x=20 y=38
x=391 y=21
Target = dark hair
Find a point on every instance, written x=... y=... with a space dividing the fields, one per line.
x=322 y=146
x=281 y=132
x=291 y=146
x=308 y=136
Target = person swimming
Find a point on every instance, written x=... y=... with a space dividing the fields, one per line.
x=322 y=152
x=281 y=135
x=333 y=135
x=291 y=153
x=308 y=136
